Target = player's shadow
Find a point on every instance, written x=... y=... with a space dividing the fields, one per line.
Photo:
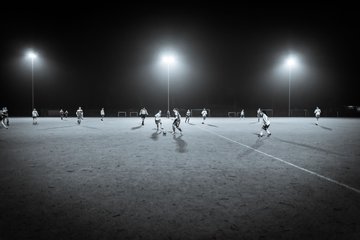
x=212 y=125
x=310 y=147
x=90 y=127
x=181 y=144
x=258 y=143
x=155 y=136
x=58 y=127
x=134 y=128
x=326 y=128
x=192 y=124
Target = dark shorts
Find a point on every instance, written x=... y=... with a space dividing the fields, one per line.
x=143 y=115
x=157 y=121
x=176 y=122
x=265 y=127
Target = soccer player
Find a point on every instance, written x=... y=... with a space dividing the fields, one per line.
x=266 y=124
x=317 y=113
x=143 y=113
x=204 y=113
x=258 y=114
x=188 y=113
x=35 y=114
x=61 y=114
x=66 y=113
x=102 y=113
x=176 y=123
x=242 y=114
x=4 y=116
x=158 y=120
x=79 y=115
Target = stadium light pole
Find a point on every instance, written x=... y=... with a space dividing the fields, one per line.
x=168 y=60
x=290 y=63
x=32 y=56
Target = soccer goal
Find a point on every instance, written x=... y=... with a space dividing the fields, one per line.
x=299 y=113
x=134 y=114
x=269 y=112
x=231 y=114
x=121 y=114
x=197 y=112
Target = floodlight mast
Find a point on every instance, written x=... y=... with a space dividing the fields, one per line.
x=32 y=56
x=290 y=63
x=168 y=60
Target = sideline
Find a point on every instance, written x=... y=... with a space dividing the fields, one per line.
x=283 y=161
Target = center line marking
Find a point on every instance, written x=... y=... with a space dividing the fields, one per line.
x=288 y=163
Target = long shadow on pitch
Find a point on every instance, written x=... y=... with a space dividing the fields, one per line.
x=326 y=128
x=155 y=136
x=57 y=127
x=308 y=146
x=192 y=124
x=134 y=128
x=181 y=144
x=258 y=143
x=211 y=125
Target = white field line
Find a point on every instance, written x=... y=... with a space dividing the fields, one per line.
x=288 y=163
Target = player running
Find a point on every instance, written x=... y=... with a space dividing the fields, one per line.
x=176 y=123
x=242 y=114
x=204 y=114
x=143 y=113
x=266 y=124
x=4 y=116
x=158 y=120
x=317 y=113
x=35 y=115
x=80 y=115
x=102 y=113
x=258 y=114
x=61 y=114
x=188 y=113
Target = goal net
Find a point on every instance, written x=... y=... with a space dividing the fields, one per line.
x=134 y=114
x=231 y=114
x=197 y=112
x=121 y=114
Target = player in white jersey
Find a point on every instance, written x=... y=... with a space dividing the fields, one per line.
x=158 y=120
x=242 y=113
x=204 y=114
x=266 y=124
x=176 y=123
x=258 y=114
x=61 y=114
x=102 y=113
x=66 y=113
x=4 y=116
x=80 y=115
x=188 y=114
x=317 y=113
x=143 y=113
x=34 y=114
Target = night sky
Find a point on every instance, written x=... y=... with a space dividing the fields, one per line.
x=228 y=56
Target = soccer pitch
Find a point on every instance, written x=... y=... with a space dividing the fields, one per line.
x=117 y=179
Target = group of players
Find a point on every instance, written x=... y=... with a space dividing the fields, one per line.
x=143 y=114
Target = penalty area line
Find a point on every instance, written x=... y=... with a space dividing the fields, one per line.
x=286 y=162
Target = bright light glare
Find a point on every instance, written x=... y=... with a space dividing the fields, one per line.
x=32 y=55
x=291 y=61
x=168 y=59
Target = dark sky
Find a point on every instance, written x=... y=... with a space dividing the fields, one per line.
x=228 y=55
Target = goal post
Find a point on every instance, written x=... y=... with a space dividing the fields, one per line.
x=231 y=114
x=134 y=114
x=196 y=112
x=121 y=114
